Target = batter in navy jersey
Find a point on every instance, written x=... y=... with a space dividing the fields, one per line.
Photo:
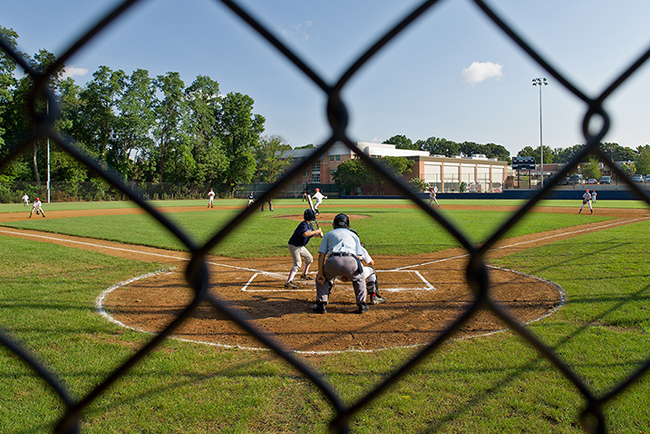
x=298 y=249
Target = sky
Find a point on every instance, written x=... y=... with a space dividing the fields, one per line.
x=452 y=74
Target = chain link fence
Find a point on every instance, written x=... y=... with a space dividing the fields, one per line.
x=592 y=417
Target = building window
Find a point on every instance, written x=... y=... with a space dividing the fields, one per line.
x=332 y=157
x=315 y=177
x=295 y=159
x=315 y=168
x=338 y=158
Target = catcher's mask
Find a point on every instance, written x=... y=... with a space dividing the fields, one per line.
x=341 y=221
x=309 y=215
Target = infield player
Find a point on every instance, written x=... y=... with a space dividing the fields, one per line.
x=25 y=199
x=36 y=207
x=433 y=191
x=338 y=255
x=593 y=196
x=372 y=286
x=318 y=199
x=211 y=199
x=586 y=199
x=297 y=247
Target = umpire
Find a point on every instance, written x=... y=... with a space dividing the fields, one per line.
x=338 y=255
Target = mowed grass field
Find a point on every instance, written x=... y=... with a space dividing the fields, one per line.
x=490 y=384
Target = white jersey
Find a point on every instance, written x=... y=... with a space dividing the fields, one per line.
x=586 y=197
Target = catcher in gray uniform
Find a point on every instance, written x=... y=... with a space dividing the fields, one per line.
x=338 y=255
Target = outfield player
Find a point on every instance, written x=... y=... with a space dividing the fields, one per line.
x=25 y=199
x=298 y=248
x=36 y=207
x=593 y=196
x=251 y=199
x=433 y=191
x=586 y=199
x=211 y=199
x=338 y=255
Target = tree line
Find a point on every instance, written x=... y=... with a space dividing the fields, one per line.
x=149 y=129
x=636 y=161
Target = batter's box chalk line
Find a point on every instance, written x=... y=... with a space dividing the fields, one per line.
x=413 y=281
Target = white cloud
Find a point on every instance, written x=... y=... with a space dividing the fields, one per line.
x=298 y=31
x=73 y=71
x=480 y=71
x=376 y=140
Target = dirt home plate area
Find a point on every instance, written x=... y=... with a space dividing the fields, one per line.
x=425 y=293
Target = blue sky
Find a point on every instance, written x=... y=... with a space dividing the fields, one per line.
x=453 y=74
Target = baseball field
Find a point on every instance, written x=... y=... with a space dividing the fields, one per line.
x=87 y=287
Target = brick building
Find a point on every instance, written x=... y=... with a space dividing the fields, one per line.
x=477 y=172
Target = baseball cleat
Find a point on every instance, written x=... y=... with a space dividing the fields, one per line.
x=320 y=307
x=291 y=285
x=363 y=308
x=306 y=277
x=377 y=299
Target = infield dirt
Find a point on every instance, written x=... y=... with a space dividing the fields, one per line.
x=425 y=293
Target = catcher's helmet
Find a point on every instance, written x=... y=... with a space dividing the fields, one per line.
x=341 y=221
x=309 y=215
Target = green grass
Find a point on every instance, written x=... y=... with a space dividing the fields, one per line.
x=494 y=384
x=395 y=231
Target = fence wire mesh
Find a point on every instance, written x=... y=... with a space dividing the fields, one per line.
x=197 y=273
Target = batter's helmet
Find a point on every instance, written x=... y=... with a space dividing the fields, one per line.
x=341 y=221
x=309 y=215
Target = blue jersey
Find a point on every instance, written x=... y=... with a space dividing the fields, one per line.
x=298 y=239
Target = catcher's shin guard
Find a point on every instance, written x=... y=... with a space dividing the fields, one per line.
x=371 y=287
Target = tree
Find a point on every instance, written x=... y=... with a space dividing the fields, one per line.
x=170 y=152
x=202 y=129
x=7 y=78
x=271 y=159
x=134 y=122
x=355 y=173
x=549 y=154
x=98 y=117
x=590 y=169
x=436 y=146
x=643 y=159
x=401 y=142
x=351 y=174
x=239 y=132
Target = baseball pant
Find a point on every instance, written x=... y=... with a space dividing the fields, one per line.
x=345 y=266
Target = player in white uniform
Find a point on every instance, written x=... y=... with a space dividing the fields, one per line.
x=432 y=196
x=211 y=199
x=25 y=199
x=593 y=196
x=37 y=208
x=318 y=199
x=586 y=199
x=251 y=199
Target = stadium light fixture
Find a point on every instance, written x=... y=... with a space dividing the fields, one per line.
x=539 y=82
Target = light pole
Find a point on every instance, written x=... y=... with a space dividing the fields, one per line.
x=540 y=82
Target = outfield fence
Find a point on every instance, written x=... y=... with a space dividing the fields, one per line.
x=592 y=417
